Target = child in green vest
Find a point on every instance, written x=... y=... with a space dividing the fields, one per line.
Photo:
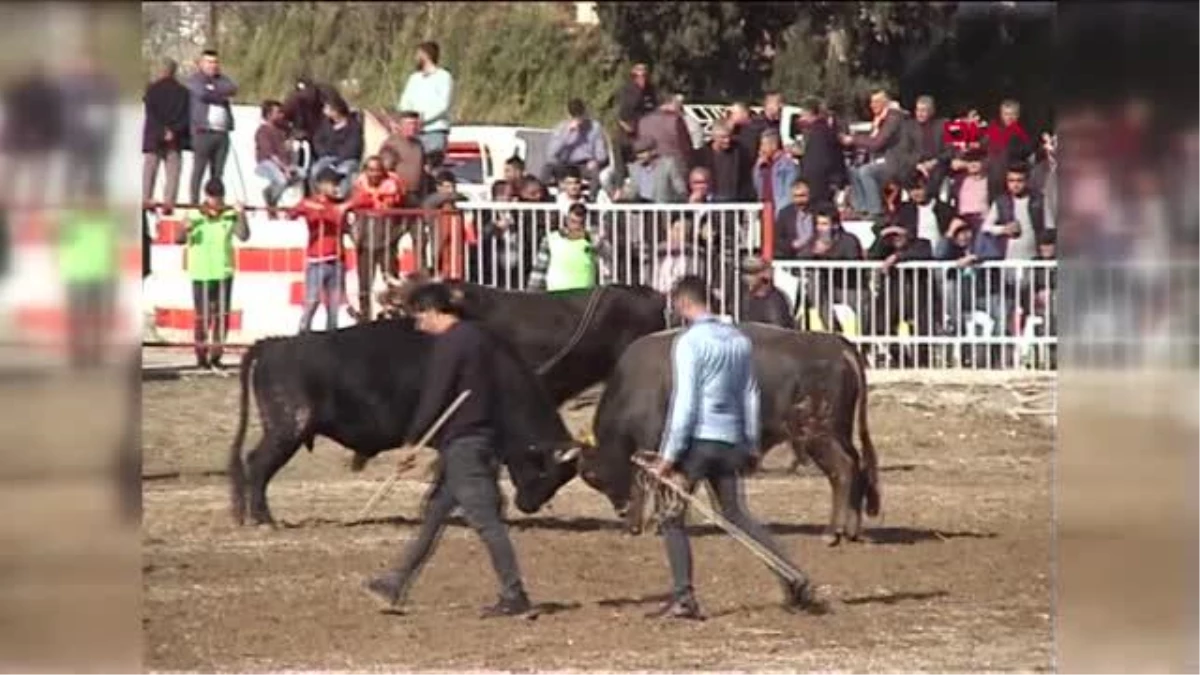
x=569 y=258
x=88 y=264
x=210 y=262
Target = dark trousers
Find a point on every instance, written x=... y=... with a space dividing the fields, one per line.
x=89 y=315
x=173 y=161
x=377 y=246
x=467 y=480
x=720 y=464
x=211 y=301
x=210 y=149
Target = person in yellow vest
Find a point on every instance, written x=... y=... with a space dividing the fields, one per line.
x=88 y=257
x=210 y=262
x=571 y=257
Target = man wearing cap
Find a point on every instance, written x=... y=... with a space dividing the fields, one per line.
x=762 y=302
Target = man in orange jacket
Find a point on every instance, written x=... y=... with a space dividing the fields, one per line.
x=376 y=236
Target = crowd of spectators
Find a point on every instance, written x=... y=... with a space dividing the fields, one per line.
x=926 y=196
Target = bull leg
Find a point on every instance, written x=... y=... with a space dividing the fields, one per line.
x=262 y=464
x=858 y=491
x=839 y=468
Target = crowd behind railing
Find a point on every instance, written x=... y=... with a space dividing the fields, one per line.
x=658 y=198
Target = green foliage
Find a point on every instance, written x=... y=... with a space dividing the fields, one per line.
x=512 y=62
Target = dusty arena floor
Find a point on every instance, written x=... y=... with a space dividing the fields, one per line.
x=956 y=579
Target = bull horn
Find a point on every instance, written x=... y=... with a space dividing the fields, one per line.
x=568 y=455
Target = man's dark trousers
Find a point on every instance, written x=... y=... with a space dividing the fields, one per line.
x=720 y=464
x=210 y=149
x=468 y=479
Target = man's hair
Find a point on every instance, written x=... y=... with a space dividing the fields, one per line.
x=721 y=125
x=434 y=297
x=373 y=158
x=388 y=151
x=516 y=161
x=690 y=287
x=829 y=211
x=578 y=210
x=410 y=115
x=214 y=188
x=1019 y=167
x=329 y=175
x=498 y=188
x=209 y=52
x=798 y=182
x=666 y=96
x=926 y=99
x=576 y=108
x=915 y=181
x=269 y=106
x=339 y=105
x=431 y=50
x=771 y=134
x=1010 y=103
x=880 y=92
x=772 y=92
x=811 y=104
x=445 y=177
x=170 y=65
x=572 y=171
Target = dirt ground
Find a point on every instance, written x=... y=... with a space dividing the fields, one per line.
x=956 y=577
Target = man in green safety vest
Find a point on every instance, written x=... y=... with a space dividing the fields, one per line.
x=87 y=260
x=210 y=262
x=569 y=258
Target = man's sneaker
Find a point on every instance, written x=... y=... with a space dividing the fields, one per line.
x=385 y=589
x=805 y=598
x=202 y=362
x=685 y=608
x=516 y=606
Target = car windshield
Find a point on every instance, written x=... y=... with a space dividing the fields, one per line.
x=465 y=169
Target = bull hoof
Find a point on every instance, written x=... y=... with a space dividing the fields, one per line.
x=358 y=462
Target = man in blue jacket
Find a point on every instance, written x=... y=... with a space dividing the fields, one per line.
x=712 y=434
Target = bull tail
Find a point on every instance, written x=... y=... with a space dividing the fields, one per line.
x=237 y=467
x=870 y=468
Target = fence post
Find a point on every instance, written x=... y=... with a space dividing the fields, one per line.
x=768 y=231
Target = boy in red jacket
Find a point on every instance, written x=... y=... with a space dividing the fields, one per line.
x=325 y=262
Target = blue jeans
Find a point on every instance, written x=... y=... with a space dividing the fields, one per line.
x=278 y=181
x=328 y=276
x=348 y=168
x=866 y=188
x=434 y=143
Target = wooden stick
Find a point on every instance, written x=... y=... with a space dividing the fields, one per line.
x=781 y=566
x=406 y=460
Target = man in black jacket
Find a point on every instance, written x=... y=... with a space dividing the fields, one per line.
x=729 y=165
x=761 y=301
x=823 y=164
x=826 y=286
x=927 y=140
x=165 y=133
x=905 y=294
x=794 y=227
x=338 y=144
x=923 y=216
x=637 y=98
x=460 y=362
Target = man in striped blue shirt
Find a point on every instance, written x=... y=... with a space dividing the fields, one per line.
x=712 y=434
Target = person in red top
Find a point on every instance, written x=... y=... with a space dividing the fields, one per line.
x=376 y=237
x=454 y=234
x=325 y=268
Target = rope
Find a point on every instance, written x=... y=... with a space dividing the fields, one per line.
x=584 y=323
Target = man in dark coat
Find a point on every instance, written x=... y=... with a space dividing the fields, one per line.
x=165 y=133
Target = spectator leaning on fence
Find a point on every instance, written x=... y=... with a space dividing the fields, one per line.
x=729 y=164
x=923 y=216
x=430 y=92
x=970 y=194
x=827 y=286
x=212 y=119
x=794 y=227
x=904 y=295
x=210 y=262
x=569 y=258
x=166 y=133
x=325 y=267
x=570 y=189
x=454 y=234
x=376 y=236
x=762 y=302
x=774 y=173
x=1015 y=219
x=577 y=142
x=338 y=145
x=273 y=157
x=656 y=179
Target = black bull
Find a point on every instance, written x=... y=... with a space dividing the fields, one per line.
x=811 y=385
x=359 y=386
